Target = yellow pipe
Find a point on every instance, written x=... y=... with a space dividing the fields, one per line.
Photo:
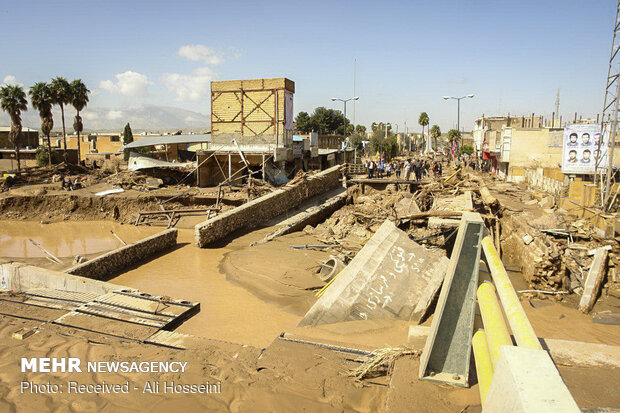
x=493 y=319
x=519 y=324
x=484 y=367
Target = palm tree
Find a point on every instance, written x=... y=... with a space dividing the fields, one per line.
x=423 y=121
x=42 y=100
x=62 y=96
x=435 y=133
x=79 y=100
x=13 y=101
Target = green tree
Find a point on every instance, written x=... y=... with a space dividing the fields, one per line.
x=42 y=100
x=79 y=100
x=468 y=149
x=61 y=90
x=423 y=121
x=13 y=101
x=356 y=141
x=360 y=129
x=378 y=142
x=435 y=133
x=127 y=139
x=454 y=136
x=325 y=120
x=42 y=156
x=303 y=123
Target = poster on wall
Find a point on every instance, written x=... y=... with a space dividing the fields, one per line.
x=288 y=110
x=580 y=149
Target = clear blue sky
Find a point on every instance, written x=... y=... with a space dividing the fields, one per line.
x=513 y=55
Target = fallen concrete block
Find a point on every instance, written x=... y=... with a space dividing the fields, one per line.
x=391 y=277
x=526 y=380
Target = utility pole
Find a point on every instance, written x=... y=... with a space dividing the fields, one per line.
x=610 y=108
x=557 y=107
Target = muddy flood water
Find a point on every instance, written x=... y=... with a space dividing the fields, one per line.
x=228 y=311
x=65 y=239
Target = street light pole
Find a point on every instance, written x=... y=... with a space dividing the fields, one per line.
x=344 y=132
x=458 y=112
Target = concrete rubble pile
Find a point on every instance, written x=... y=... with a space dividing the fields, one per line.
x=553 y=249
x=354 y=224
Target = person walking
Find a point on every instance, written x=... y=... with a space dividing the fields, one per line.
x=371 y=168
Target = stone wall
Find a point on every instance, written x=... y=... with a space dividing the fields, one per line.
x=112 y=262
x=17 y=276
x=260 y=210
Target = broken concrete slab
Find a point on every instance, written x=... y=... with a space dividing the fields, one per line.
x=593 y=283
x=407 y=206
x=462 y=202
x=447 y=350
x=391 y=277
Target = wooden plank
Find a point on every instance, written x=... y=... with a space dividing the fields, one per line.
x=594 y=281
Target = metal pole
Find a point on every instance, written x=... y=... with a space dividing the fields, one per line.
x=458 y=119
x=344 y=133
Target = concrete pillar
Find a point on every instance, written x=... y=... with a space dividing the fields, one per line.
x=527 y=381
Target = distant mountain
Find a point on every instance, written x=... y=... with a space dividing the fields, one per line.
x=150 y=118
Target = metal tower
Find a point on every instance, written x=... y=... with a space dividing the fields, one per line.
x=609 y=123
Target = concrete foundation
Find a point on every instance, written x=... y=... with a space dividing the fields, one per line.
x=526 y=380
x=16 y=276
x=114 y=261
x=259 y=210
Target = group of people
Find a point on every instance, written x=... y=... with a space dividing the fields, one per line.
x=409 y=169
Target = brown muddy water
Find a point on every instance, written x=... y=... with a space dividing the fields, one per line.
x=65 y=239
x=228 y=311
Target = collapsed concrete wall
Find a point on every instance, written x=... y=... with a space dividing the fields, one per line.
x=110 y=263
x=548 y=180
x=259 y=210
x=16 y=276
